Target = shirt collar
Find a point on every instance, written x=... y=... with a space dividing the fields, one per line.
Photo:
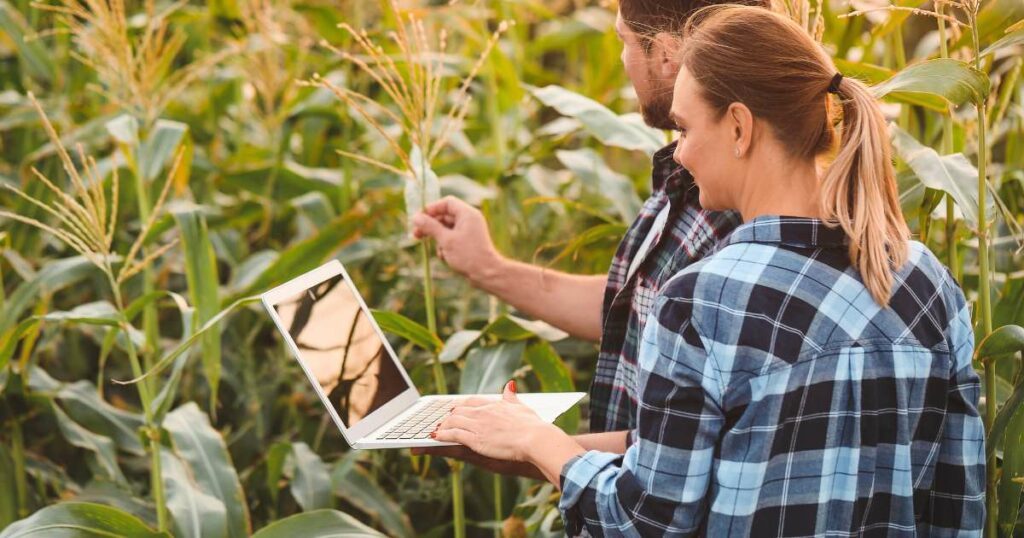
x=667 y=175
x=790 y=231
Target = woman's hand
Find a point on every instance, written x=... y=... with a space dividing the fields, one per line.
x=503 y=429
x=508 y=430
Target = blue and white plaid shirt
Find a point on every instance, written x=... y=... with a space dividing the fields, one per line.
x=776 y=398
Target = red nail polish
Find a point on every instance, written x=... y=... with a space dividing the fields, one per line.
x=433 y=434
x=512 y=385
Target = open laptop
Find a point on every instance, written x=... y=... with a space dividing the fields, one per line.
x=355 y=372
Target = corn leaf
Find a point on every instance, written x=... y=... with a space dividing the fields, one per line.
x=102 y=448
x=318 y=524
x=489 y=368
x=626 y=131
x=87 y=518
x=554 y=376
x=311 y=483
x=33 y=53
x=457 y=344
x=203 y=280
x=354 y=484
x=399 y=325
x=953 y=173
x=201 y=447
x=591 y=169
x=196 y=514
x=952 y=80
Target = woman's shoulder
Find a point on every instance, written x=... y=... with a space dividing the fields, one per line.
x=735 y=266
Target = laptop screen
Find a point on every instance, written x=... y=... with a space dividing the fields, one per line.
x=341 y=349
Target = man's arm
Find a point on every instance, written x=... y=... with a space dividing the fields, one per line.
x=572 y=303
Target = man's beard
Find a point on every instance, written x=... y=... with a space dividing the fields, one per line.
x=656 y=111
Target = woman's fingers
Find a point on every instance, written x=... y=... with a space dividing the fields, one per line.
x=457 y=421
x=456 y=435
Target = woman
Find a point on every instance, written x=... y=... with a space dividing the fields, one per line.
x=811 y=377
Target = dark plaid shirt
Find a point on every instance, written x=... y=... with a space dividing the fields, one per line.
x=683 y=235
x=779 y=399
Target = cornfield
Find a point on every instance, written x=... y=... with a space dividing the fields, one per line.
x=163 y=163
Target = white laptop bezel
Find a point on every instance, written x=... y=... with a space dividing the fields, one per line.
x=386 y=412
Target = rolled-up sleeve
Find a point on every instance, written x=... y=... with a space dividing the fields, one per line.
x=659 y=487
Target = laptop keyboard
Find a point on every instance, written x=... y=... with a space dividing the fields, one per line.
x=421 y=423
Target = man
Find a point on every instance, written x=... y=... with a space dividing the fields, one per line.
x=671 y=231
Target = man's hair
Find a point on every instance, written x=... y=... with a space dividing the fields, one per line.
x=648 y=18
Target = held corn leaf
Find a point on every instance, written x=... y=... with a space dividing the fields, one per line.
x=422 y=186
x=201 y=274
x=195 y=513
x=318 y=524
x=80 y=519
x=311 y=483
x=203 y=449
x=489 y=368
x=399 y=325
x=953 y=80
x=125 y=130
x=611 y=129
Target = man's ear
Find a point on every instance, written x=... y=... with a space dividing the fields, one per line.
x=665 y=51
x=741 y=123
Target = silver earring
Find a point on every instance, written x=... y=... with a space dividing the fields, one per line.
x=737 y=153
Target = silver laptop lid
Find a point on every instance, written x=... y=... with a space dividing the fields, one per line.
x=342 y=349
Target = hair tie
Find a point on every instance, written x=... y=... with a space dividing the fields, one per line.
x=833 y=87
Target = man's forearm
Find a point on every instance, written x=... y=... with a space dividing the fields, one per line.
x=614 y=442
x=570 y=302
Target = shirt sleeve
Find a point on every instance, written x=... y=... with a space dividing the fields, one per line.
x=659 y=486
x=956 y=498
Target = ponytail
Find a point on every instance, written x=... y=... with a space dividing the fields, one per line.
x=770 y=64
x=859 y=192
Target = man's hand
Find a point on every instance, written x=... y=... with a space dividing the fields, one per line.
x=462 y=453
x=463 y=240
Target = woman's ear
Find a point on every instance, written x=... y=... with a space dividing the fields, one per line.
x=665 y=51
x=741 y=123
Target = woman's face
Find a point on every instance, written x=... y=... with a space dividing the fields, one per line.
x=707 y=145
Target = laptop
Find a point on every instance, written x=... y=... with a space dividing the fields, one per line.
x=352 y=367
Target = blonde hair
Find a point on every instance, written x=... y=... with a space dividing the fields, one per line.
x=769 y=63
